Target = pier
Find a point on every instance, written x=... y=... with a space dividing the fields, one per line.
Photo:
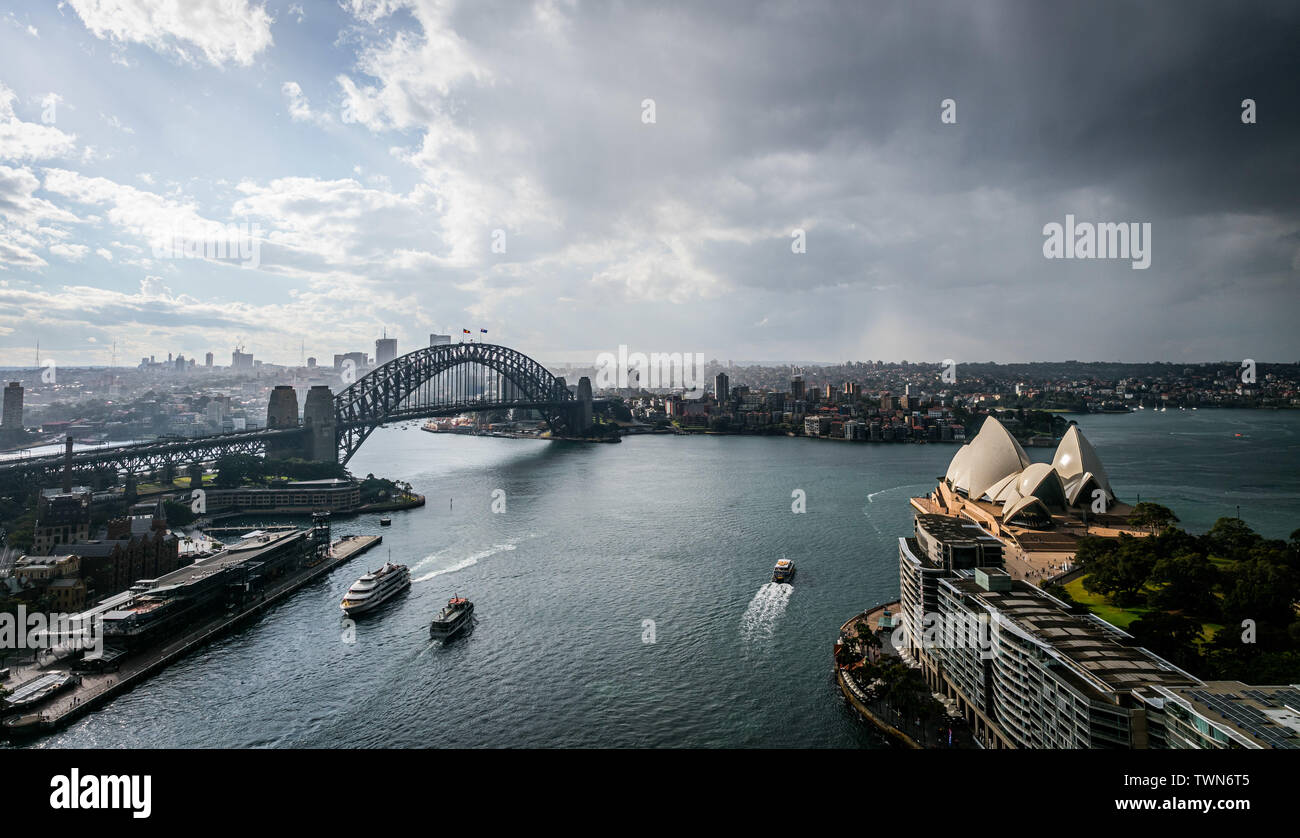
x=96 y=690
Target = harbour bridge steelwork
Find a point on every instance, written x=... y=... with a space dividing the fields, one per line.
x=433 y=381
x=444 y=381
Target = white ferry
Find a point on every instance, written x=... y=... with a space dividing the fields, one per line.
x=375 y=588
x=784 y=571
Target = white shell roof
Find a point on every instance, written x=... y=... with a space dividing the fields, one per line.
x=1075 y=456
x=994 y=467
x=992 y=455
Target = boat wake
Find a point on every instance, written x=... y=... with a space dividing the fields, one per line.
x=468 y=561
x=764 y=610
x=871 y=498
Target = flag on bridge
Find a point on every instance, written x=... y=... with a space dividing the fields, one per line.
x=484 y=331
x=466 y=331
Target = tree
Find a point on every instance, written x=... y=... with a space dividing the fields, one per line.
x=178 y=514
x=1230 y=537
x=1152 y=515
x=1265 y=592
x=1172 y=636
x=1122 y=573
x=1091 y=548
x=234 y=470
x=1188 y=581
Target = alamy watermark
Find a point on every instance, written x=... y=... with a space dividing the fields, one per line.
x=58 y=632
x=1104 y=240
x=950 y=631
x=658 y=370
x=241 y=242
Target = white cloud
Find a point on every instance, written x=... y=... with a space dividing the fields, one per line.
x=71 y=252
x=116 y=123
x=299 y=108
x=19 y=205
x=221 y=30
x=21 y=140
x=415 y=70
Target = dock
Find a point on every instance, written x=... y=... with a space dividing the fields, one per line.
x=96 y=690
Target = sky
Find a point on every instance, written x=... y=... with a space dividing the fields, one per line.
x=575 y=176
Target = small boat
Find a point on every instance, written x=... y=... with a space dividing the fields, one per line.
x=783 y=572
x=375 y=588
x=385 y=521
x=458 y=614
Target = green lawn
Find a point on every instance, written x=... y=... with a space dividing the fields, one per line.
x=1116 y=616
x=1098 y=605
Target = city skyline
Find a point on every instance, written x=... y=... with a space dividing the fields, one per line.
x=573 y=178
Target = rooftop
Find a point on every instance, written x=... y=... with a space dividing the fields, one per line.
x=1099 y=653
x=1268 y=716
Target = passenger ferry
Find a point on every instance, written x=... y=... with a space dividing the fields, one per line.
x=458 y=614
x=375 y=588
x=784 y=571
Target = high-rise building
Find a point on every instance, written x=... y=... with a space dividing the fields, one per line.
x=207 y=360
x=722 y=388
x=240 y=360
x=13 y=407
x=797 y=388
x=385 y=350
x=358 y=360
x=439 y=340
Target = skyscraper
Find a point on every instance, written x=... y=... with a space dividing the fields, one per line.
x=13 y=407
x=385 y=350
x=722 y=388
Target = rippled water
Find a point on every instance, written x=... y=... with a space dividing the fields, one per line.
x=598 y=539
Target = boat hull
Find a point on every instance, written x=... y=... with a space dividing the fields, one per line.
x=446 y=629
x=371 y=603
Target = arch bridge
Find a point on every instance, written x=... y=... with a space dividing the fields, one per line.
x=448 y=380
x=433 y=381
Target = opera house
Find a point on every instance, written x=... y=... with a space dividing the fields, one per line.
x=1041 y=509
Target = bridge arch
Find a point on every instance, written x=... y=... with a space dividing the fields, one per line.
x=446 y=380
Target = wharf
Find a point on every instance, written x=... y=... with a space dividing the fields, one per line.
x=98 y=689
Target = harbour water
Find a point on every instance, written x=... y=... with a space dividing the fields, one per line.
x=624 y=595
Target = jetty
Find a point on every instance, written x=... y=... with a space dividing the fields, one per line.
x=95 y=690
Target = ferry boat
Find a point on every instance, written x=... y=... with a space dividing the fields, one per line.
x=784 y=571
x=385 y=521
x=458 y=614
x=375 y=588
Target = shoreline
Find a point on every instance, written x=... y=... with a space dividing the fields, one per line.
x=96 y=690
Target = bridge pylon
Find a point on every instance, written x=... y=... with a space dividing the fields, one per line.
x=320 y=425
